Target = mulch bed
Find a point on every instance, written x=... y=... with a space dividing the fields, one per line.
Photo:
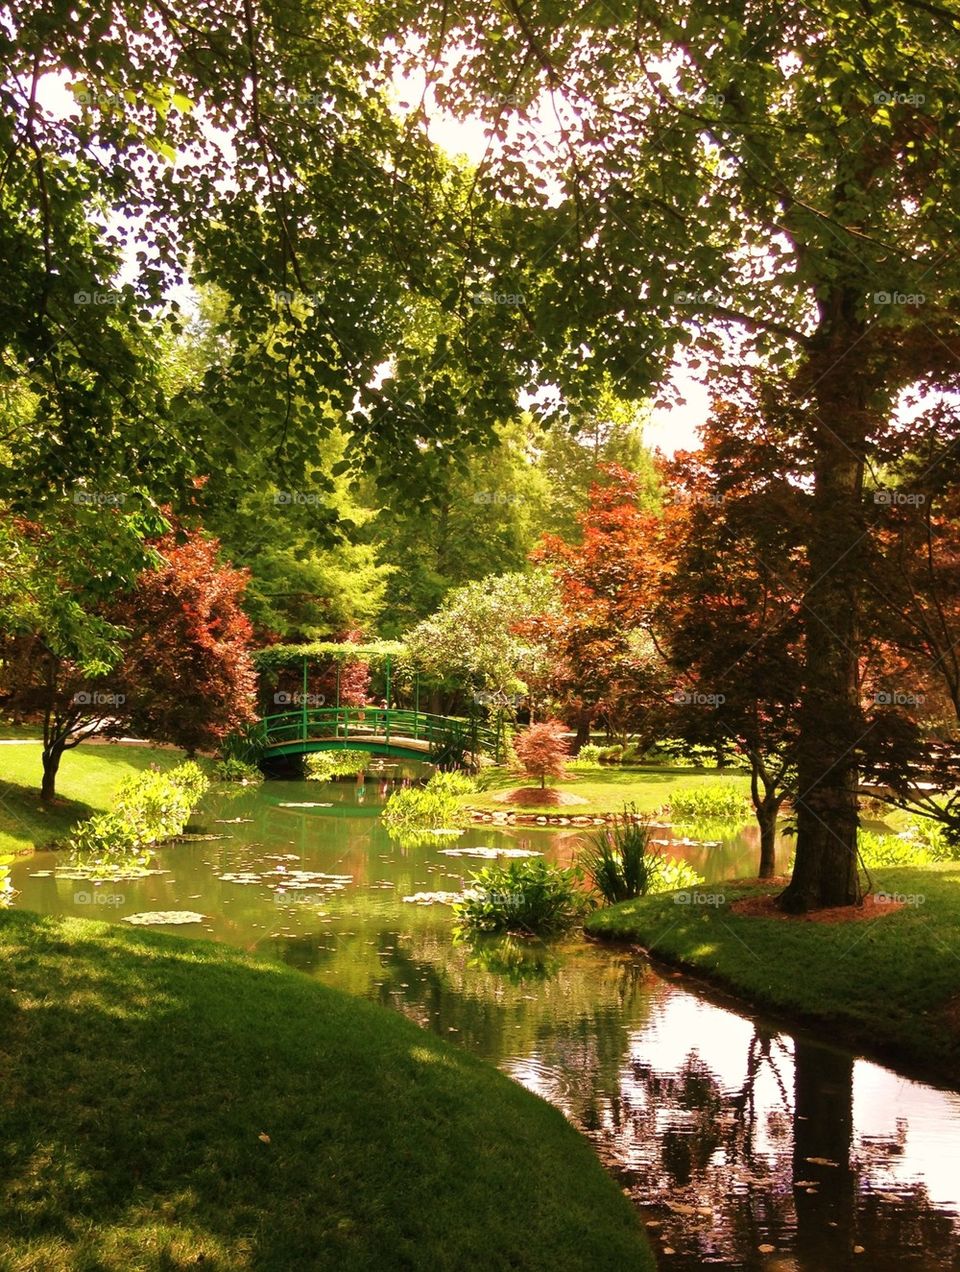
x=764 y=906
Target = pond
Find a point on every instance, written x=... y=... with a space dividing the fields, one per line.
x=744 y=1146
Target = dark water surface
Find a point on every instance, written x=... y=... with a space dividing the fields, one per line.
x=731 y=1135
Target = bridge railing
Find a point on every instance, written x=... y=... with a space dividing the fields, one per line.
x=391 y=726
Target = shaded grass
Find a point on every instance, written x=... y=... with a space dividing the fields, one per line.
x=141 y=1074
x=607 y=789
x=88 y=779
x=890 y=983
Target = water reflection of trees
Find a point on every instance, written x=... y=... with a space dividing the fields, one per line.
x=770 y=1161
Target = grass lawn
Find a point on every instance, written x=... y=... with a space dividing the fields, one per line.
x=88 y=777
x=166 y=1103
x=606 y=789
x=889 y=983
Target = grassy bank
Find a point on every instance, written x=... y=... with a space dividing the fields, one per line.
x=165 y=1103
x=89 y=775
x=604 y=789
x=890 y=983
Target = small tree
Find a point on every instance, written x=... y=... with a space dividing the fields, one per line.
x=541 y=750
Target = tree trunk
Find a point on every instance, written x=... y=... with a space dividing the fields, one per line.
x=767 y=819
x=584 y=720
x=51 y=763
x=825 y=870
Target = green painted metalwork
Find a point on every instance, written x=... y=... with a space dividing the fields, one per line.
x=415 y=734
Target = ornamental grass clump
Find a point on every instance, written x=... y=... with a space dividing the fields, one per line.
x=622 y=863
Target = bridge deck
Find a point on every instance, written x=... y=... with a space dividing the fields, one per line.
x=385 y=731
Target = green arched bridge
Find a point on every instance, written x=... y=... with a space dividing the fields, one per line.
x=416 y=735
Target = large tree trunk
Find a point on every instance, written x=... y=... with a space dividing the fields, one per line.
x=584 y=721
x=825 y=871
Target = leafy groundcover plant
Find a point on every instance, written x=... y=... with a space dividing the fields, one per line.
x=526 y=896
x=150 y=808
x=709 y=803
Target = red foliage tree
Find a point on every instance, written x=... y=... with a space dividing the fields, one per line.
x=186 y=674
x=609 y=584
x=541 y=750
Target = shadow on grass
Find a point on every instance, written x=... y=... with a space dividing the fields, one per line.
x=167 y=1102
x=27 y=823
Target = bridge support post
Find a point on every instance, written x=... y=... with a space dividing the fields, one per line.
x=303 y=704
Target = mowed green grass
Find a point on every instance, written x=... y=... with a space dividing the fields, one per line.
x=891 y=983
x=605 y=789
x=88 y=778
x=167 y=1104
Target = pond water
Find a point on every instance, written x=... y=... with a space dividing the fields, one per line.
x=744 y=1146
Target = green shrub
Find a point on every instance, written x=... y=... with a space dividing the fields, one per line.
x=420 y=808
x=877 y=851
x=721 y=802
x=324 y=766
x=610 y=754
x=232 y=769
x=621 y=862
x=589 y=753
x=150 y=807
x=455 y=782
x=7 y=890
x=528 y=896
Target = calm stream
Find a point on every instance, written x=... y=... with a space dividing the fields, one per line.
x=744 y=1147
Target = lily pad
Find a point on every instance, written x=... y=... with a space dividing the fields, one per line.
x=151 y=918
x=489 y=853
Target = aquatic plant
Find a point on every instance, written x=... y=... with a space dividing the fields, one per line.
x=622 y=862
x=149 y=808
x=529 y=896
x=720 y=802
x=324 y=766
x=232 y=769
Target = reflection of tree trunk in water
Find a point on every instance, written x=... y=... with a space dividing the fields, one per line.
x=823 y=1127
